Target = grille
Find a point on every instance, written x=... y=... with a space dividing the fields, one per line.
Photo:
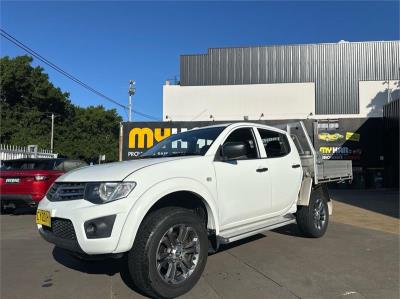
x=66 y=191
x=62 y=228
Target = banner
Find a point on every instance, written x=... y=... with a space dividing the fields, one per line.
x=141 y=136
x=356 y=139
x=359 y=140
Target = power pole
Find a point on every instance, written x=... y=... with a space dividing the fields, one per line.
x=131 y=92
x=52 y=133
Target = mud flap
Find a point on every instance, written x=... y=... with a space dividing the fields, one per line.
x=305 y=192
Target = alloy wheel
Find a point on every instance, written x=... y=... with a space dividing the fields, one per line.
x=177 y=254
x=319 y=214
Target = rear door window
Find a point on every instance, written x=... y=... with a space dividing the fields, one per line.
x=275 y=144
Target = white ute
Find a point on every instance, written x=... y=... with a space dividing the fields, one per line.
x=189 y=193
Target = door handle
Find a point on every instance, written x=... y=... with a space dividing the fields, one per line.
x=262 y=169
x=295 y=165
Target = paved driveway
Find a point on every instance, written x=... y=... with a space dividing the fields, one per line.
x=357 y=258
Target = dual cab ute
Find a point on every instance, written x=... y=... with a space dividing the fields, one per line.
x=188 y=194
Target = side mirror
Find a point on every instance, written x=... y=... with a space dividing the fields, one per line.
x=234 y=151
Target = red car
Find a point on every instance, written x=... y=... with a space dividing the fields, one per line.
x=26 y=181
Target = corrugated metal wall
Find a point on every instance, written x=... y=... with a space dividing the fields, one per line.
x=336 y=69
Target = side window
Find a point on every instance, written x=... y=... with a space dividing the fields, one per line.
x=275 y=144
x=246 y=136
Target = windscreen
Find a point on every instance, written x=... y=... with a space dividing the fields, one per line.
x=194 y=142
x=30 y=165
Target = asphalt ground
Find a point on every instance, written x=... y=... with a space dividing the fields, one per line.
x=357 y=258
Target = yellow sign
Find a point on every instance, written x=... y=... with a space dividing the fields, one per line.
x=145 y=137
x=330 y=136
x=352 y=136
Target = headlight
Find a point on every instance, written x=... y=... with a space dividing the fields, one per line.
x=106 y=192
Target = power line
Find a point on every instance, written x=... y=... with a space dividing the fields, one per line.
x=24 y=47
x=55 y=67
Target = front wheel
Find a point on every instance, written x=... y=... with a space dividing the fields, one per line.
x=169 y=253
x=313 y=219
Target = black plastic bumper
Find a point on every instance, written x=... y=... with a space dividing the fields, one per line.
x=24 y=197
x=18 y=199
x=71 y=245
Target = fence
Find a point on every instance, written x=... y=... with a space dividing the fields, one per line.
x=12 y=152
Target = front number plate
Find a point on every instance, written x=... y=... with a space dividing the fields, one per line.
x=43 y=218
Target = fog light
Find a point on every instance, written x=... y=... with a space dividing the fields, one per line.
x=99 y=227
x=91 y=229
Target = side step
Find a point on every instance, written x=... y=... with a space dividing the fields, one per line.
x=222 y=240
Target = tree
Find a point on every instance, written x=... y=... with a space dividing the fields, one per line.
x=93 y=131
x=27 y=99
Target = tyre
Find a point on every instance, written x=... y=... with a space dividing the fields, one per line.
x=169 y=253
x=313 y=219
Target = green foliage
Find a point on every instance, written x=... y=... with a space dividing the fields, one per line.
x=27 y=99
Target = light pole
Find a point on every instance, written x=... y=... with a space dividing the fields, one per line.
x=131 y=92
x=52 y=133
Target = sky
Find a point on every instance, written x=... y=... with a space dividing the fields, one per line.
x=105 y=44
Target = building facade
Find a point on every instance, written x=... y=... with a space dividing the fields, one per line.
x=340 y=88
x=345 y=79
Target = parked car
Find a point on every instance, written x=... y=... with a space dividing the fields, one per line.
x=189 y=193
x=26 y=181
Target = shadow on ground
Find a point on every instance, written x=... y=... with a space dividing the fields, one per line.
x=19 y=211
x=385 y=202
x=113 y=266
x=225 y=247
x=108 y=266
x=290 y=230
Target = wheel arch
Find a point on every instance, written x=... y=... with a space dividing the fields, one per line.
x=185 y=193
x=189 y=200
x=307 y=188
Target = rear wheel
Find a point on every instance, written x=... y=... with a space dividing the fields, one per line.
x=169 y=253
x=313 y=219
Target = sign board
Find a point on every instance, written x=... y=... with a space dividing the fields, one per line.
x=137 y=137
x=141 y=136
x=359 y=140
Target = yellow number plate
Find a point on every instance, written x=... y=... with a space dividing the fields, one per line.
x=43 y=218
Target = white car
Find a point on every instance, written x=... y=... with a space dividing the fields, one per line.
x=189 y=193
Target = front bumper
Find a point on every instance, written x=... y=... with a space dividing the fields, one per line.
x=77 y=212
x=69 y=244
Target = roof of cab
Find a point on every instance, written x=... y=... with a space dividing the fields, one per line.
x=239 y=124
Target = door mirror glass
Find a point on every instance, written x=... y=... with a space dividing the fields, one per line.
x=234 y=151
x=240 y=145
